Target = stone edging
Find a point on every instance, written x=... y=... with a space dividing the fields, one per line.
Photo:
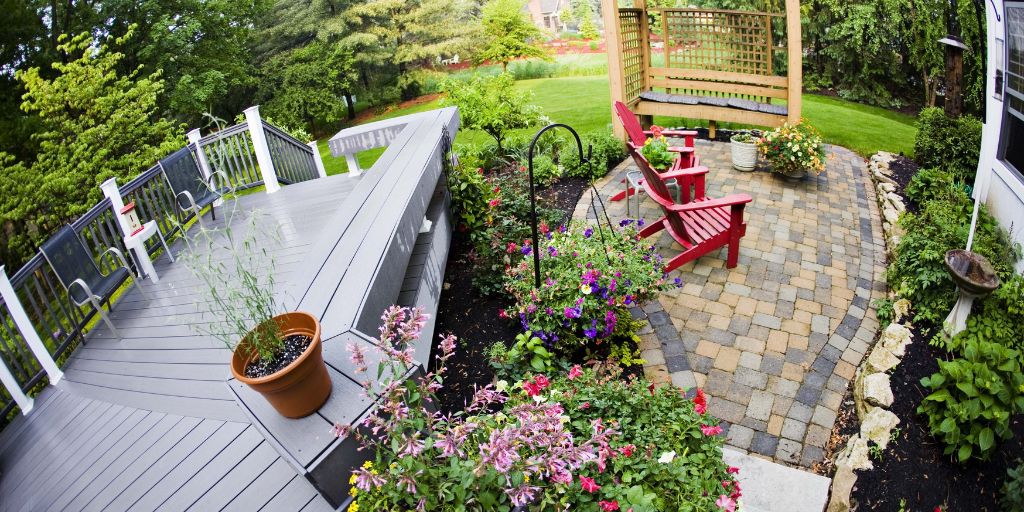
x=871 y=390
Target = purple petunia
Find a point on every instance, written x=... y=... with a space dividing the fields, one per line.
x=588 y=233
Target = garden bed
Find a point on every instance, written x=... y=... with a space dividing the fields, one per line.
x=913 y=473
x=472 y=317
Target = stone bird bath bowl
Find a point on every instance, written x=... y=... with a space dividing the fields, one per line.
x=975 y=278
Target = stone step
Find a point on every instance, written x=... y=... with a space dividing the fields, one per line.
x=771 y=487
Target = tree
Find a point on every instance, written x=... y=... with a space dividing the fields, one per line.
x=307 y=85
x=585 y=13
x=493 y=105
x=95 y=124
x=509 y=33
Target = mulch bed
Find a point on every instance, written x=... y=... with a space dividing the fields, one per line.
x=913 y=473
x=473 y=318
x=914 y=468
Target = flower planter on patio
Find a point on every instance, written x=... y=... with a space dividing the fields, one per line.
x=303 y=384
x=744 y=152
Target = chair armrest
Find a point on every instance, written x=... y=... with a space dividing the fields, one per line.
x=689 y=171
x=225 y=181
x=680 y=149
x=679 y=133
x=85 y=288
x=191 y=201
x=729 y=200
x=119 y=255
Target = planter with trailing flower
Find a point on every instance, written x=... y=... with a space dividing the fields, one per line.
x=277 y=354
x=744 y=151
x=793 y=150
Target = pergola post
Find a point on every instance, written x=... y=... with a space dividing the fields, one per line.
x=613 y=46
x=795 y=59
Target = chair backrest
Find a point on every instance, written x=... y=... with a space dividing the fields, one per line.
x=70 y=260
x=183 y=174
x=656 y=188
x=631 y=124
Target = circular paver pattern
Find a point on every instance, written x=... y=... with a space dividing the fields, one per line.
x=775 y=341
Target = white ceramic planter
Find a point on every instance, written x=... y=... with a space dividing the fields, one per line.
x=744 y=155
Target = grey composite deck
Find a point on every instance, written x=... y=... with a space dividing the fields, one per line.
x=152 y=421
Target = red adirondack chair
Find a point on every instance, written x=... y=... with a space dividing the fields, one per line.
x=701 y=225
x=686 y=157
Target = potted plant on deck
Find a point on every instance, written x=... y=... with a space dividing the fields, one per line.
x=656 y=151
x=744 y=151
x=793 y=150
x=277 y=354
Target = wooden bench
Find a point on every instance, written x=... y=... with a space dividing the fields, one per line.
x=715 y=96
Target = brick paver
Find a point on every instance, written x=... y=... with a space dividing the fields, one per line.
x=774 y=342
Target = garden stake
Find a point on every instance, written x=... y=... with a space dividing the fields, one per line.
x=533 y=191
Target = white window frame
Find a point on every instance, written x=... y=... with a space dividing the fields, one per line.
x=1009 y=94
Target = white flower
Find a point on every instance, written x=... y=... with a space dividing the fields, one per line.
x=501 y=386
x=667 y=457
x=585 y=289
x=540 y=398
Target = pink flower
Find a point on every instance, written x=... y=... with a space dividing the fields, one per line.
x=575 y=371
x=609 y=505
x=494 y=202
x=711 y=431
x=627 y=450
x=588 y=484
x=584 y=406
x=700 y=402
x=733 y=470
x=531 y=388
x=726 y=503
x=542 y=381
x=502 y=313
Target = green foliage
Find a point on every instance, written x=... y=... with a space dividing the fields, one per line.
x=509 y=34
x=884 y=311
x=918 y=273
x=608 y=151
x=1013 y=489
x=973 y=396
x=655 y=150
x=492 y=105
x=472 y=197
x=664 y=460
x=545 y=171
x=585 y=16
x=527 y=355
x=95 y=124
x=950 y=144
x=307 y=86
x=933 y=183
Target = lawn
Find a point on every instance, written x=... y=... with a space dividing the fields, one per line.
x=583 y=103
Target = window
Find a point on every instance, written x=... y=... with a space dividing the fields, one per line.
x=1012 y=134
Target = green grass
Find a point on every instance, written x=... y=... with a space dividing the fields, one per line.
x=583 y=103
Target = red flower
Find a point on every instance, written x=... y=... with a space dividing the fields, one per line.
x=700 y=402
x=711 y=431
x=575 y=371
x=656 y=131
x=531 y=388
x=650 y=388
x=542 y=381
x=494 y=202
x=511 y=248
x=585 y=406
x=733 y=470
x=588 y=484
x=609 y=505
x=627 y=450
x=544 y=228
x=502 y=313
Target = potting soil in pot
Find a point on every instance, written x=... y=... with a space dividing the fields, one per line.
x=294 y=346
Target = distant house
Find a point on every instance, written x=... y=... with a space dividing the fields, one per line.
x=547 y=14
x=1000 y=180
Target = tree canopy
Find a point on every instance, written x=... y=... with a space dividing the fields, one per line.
x=509 y=34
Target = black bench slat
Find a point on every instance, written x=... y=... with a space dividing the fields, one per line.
x=737 y=103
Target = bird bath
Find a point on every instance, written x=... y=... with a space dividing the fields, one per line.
x=974 y=278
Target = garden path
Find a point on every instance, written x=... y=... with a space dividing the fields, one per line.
x=775 y=341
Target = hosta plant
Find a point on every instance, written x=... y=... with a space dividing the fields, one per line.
x=589 y=278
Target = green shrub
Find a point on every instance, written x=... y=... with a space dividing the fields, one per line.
x=492 y=104
x=917 y=271
x=545 y=171
x=973 y=397
x=933 y=183
x=607 y=152
x=1013 y=489
x=668 y=453
x=527 y=355
x=951 y=144
x=472 y=196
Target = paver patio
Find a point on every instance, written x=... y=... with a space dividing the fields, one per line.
x=775 y=341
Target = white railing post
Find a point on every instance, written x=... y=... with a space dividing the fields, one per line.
x=28 y=331
x=318 y=160
x=353 y=164
x=204 y=164
x=9 y=382
x=259 y=143
x=112 y=192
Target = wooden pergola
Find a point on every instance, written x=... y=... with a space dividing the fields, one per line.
x=717 y=65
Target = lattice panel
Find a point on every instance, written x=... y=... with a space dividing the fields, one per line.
x=632 y=52
x=717 y=40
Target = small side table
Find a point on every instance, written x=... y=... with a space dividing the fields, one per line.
x=633 y=178
x=136 y=245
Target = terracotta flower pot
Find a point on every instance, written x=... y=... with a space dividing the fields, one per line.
x=300 y=388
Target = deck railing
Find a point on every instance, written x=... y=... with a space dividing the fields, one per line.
x=59 y=323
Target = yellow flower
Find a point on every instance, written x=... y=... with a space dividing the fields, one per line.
x=352 y=480
x=354 y=507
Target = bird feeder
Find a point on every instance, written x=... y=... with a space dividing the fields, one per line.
x=131 y=217
x=975 y=278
